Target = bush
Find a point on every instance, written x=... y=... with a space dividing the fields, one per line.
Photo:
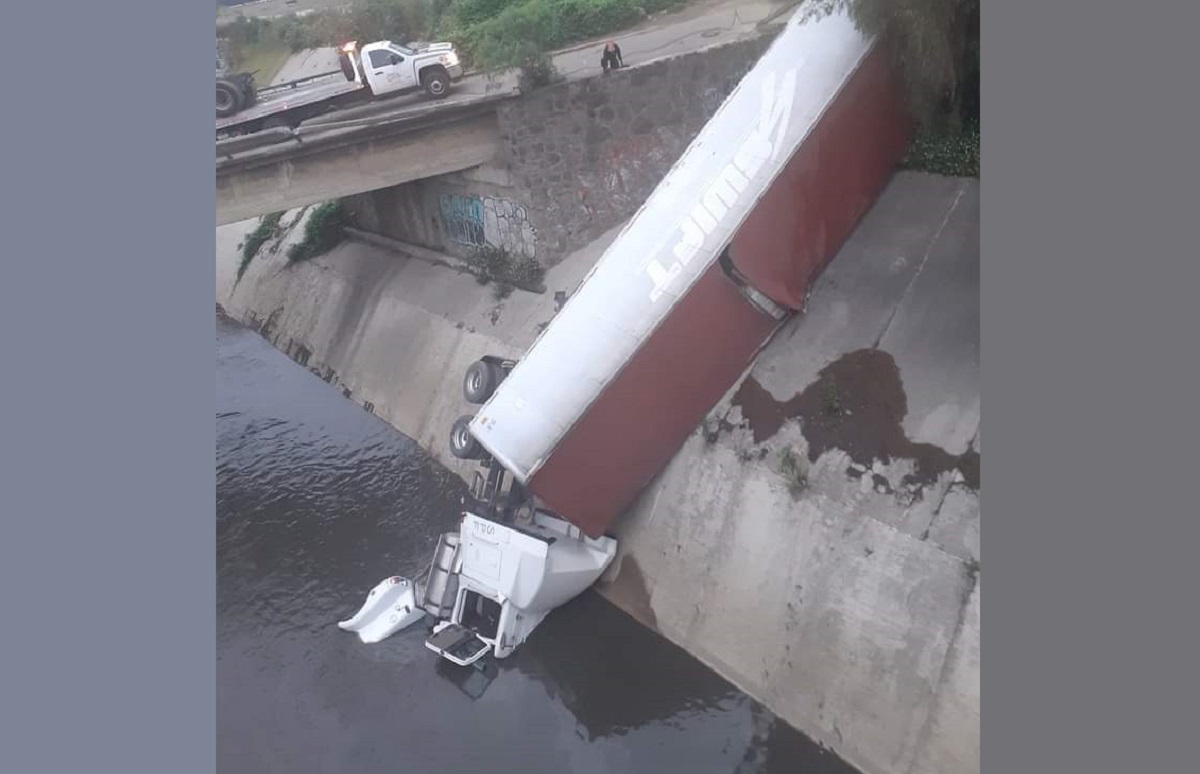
x=942 y=152
x=495 y=264
x=523 y=31
x=538 y=71
x=268 y=228
x=475 y=11
x=297 y=34
x=323 y=231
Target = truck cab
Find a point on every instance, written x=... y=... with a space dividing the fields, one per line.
x=386 y=67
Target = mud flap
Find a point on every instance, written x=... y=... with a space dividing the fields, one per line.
x=390 y=607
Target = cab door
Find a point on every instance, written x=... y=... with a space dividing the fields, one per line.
x=388 y=71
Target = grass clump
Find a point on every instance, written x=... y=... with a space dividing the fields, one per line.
x=267 y=229
x=943 y=152
x=324 y=230
x=495 y=264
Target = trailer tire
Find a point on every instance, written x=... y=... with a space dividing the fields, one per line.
x=462 y=444
x=523 y=514
x=480 y=381
x=436 y=82
x=229 y=98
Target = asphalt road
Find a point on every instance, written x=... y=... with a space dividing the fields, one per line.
x=696 y=27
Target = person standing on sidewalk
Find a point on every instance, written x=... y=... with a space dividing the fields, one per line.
x=611 y=58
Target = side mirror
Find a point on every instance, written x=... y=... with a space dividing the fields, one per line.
x=395 y=59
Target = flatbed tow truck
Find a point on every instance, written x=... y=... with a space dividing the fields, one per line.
x=379 y=69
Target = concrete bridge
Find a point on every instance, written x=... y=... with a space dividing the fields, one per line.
x=281 y=169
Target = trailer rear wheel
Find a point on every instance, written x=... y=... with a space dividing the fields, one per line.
x=462 y=444
x=436 y=82
x=229 y=99
x=480 y=381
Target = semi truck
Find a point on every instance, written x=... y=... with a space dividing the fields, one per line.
x=666 y=322
x=379 y=69
x=723 y=252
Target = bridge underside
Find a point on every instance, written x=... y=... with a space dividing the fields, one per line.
x=332 y=170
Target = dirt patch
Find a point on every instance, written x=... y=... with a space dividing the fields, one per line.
x=856 y=404
x=628 y=592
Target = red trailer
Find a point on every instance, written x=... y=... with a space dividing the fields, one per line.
x=720 y=254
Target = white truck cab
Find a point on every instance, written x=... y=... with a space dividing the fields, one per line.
x=386 y=67
x=488 y=586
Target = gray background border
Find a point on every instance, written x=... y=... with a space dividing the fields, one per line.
x=108 y=644
x=1089 y=370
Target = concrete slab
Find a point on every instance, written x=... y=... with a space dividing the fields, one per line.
x=855 y=299
x=934 y=335
x=953 y=735
x=834 y=619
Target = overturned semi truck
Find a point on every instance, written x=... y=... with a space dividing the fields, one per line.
x=724 y=250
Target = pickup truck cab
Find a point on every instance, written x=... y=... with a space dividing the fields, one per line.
x=390 y=68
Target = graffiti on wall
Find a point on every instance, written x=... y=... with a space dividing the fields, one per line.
x=462 y=217
x=477 y=221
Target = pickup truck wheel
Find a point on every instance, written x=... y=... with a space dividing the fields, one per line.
x=480 y=381
x=229 y=99
x=462 y=444
x=436 y=83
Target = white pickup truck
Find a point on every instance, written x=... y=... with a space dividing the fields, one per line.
x=375 y=70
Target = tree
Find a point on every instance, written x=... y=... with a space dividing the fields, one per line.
x=933 y=43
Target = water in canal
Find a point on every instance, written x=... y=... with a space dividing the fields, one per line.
x=317 y=501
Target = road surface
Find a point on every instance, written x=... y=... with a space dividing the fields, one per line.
x=696 y=27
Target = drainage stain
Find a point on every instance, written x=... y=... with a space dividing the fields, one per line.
x=856 y=404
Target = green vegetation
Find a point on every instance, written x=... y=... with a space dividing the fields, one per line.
x=324 y=230
x=935 y=46
x=489 y=33
x=267 y=229
x=503 y=33
x=495 y=264
x=945 y=152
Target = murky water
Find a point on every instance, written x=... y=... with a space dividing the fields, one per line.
x=316 y=502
